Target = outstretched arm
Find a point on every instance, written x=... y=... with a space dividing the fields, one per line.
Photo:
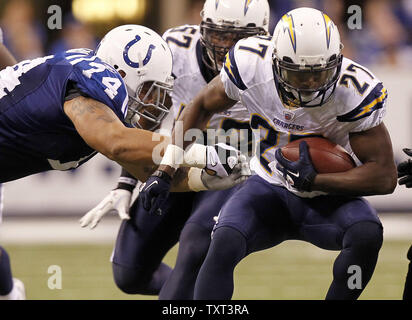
x=132 y=148
x=101 y=129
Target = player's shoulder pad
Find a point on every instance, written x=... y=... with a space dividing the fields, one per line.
x=182 y=42
x=98 y=80
x=360 y=93
x=182 y=37
x=249 y=62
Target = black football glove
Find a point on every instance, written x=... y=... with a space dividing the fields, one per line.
x=155 y=191
x=405 y=170
x=301 y=171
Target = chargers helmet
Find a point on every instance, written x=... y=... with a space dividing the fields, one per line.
x=224 y=22
x=307 y=57
x=144 y=60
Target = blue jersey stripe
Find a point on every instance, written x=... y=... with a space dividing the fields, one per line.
x=374 y=101
x=232 y=70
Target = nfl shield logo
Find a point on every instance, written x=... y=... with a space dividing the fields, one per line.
x=288 y=116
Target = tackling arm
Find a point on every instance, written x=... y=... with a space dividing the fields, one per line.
x=132 y=148
x=377 y=174
x=103 y=131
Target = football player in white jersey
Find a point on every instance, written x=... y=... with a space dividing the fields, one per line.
x=10 y=288
x=293 y=85
x=198 y=56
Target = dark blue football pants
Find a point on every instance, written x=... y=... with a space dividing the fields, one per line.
x=261 y=215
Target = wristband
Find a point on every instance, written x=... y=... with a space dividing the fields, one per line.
x=127 y=180
x=125 y=186
x=173 y=156
x=195 y=156
x=194 y=180
x=126 y=183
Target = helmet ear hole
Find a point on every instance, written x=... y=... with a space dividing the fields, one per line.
x=121 y=72
x=332 y=58
x=287 y=59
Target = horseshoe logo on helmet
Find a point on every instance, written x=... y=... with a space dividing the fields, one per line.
x=134 y=64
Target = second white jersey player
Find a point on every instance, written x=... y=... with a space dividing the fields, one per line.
x=191 y=75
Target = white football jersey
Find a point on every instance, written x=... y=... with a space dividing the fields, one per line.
x=1 y=36
x=191 y=75
x=357 y=104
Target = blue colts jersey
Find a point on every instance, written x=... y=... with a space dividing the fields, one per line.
x=35 y=133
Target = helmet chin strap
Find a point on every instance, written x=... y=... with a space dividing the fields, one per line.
x=134 y=120
x=212 y=58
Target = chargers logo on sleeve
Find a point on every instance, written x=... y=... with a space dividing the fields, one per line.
x=374 y=101
x=232 y=70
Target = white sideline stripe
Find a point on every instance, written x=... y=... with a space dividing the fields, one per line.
x=68 y=231
x=57 y=231
x=397 y=226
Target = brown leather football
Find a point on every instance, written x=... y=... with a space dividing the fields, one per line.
x=326 y=156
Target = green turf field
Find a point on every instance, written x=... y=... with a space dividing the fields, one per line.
x=293 y=270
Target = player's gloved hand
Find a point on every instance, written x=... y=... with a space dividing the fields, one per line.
x=117 y=200
x=301 y=172
x=240 y=172
x=405 y=170
x=221 y=159
x=154 y=192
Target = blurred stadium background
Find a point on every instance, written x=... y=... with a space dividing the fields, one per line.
x=40 y=226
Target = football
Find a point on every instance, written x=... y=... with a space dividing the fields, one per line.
x=326 y=156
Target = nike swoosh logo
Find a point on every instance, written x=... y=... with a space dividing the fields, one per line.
x=154 y=182
x=294 y=174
